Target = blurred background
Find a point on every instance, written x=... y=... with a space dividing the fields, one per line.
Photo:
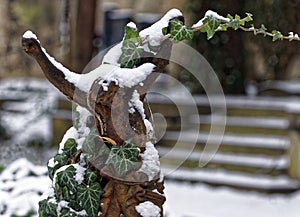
x=259 y=156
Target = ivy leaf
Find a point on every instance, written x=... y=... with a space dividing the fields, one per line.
x=262 y=30
x=70 y=147
x=46 y=208
x=75 y=205
x=91 y=176
x=89 y=197
x=89 y=145
x=60 y=160
x=249 y=17
x=276 y=35
x=132 y=34
x=164 y=30
x=123 y=158
x=235 y=24
x=131 y=54
x=179 y=31
x=211 y=26
x=67 y=178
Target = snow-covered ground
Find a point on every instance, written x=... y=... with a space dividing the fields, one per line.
x=22 y=183
x=199 y=200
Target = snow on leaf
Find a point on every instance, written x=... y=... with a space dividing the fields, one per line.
x=132 y=34
x=179 y=31
x=123 y=158
x=67 y=178
x=89 y=197
x=131 y=54
x=60 y=160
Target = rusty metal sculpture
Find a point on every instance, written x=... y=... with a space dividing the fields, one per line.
x=120 y=196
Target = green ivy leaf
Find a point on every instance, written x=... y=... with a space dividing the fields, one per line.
x=249 y=17
x=67 y=178
x=180 y=32
x=235 y=24
x=47 y=208
x=164 y=30
x=131 y=54
x=70 y=147
x=132 y=34
x=60 y=160
x=262 y=30
x=91 y=176
x=89 y=145
x=123 y=158
x=276 y=35
x=211 y=26
x=75 y=205
x=89 y=197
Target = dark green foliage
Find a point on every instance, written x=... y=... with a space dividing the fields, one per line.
x=131 y=53
x=179 y=31
x=123 y=158
x=89 y=196
x=70 y=147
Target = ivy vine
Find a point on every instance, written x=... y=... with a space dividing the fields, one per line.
x=210 y=24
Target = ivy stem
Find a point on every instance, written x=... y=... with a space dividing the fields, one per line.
x=256 y=31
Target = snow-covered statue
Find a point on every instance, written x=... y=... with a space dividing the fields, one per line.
x=107 y=165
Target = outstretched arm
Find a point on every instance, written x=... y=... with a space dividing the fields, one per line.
x=62 y=78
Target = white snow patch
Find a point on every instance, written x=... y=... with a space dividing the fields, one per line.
x=71 y=133
x=154 y=32
x=150 y=159
x=51 y=163
x=149 y=127
x=30 y=34
x=213 y=14
x=86 y=80
x=70 y=76
x=48 y=192
x=113 y=55
x=123 y=77
x=185 y=199
x=80 y=171
x=21 y=184
x=132 y=25
x=21 y=168
x=62 y=204
x=136 y=104
x=148 y=209
x=63 y=168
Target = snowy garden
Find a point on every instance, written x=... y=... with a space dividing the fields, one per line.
x=140 y=142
